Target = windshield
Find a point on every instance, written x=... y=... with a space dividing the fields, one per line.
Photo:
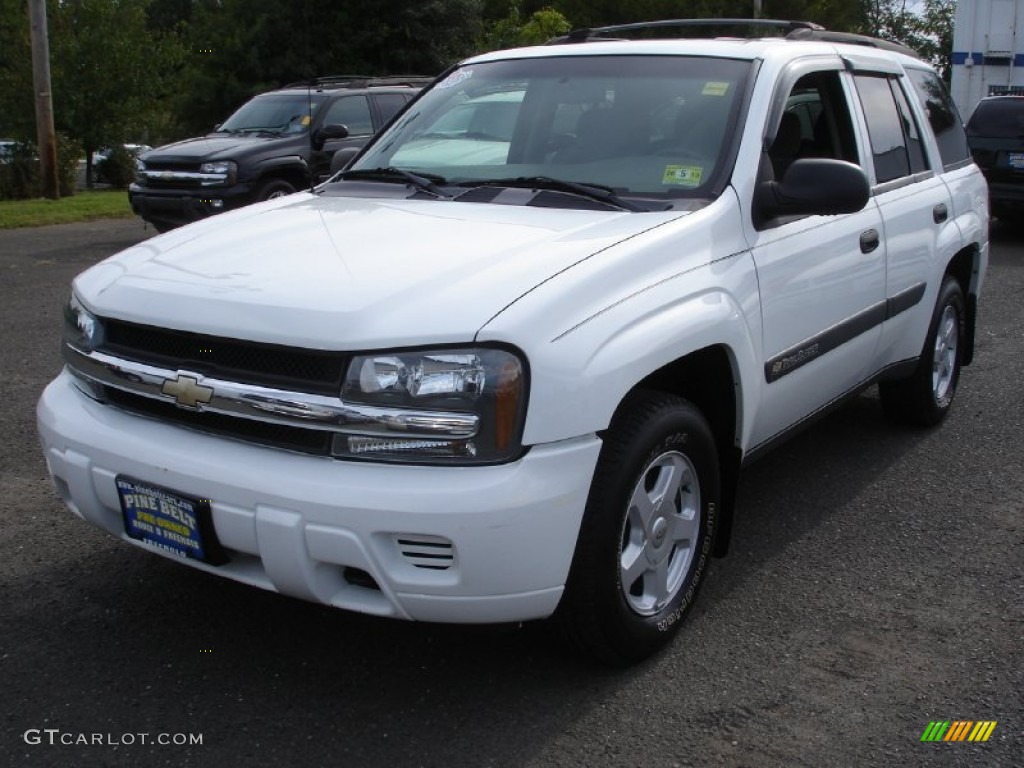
x=654 y=126
x=276 y=113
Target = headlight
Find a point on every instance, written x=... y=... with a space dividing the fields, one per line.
x=82 y=329
x=226 y=167
x=139 y=165
x=428 y=385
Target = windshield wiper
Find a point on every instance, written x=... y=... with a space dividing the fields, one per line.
x=597 y=192
x=427 y=182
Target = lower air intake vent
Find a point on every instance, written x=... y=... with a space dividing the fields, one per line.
x=432 y=552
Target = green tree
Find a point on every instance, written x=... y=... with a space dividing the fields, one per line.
x=927 y=29
x=238 y=48
x=512 y=30
x=109 y=73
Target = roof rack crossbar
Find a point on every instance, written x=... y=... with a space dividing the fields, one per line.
x=592 y=33
x=361 y=81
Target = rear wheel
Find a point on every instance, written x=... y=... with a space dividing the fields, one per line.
x=648 y=530
x=925 y=398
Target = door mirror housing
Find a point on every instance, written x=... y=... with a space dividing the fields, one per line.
x=328 y=132
x=813 y=187
x=342 y=158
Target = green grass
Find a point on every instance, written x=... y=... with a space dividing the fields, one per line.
x=83 y=206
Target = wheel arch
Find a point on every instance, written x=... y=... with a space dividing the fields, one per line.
x=709 y=378
x=294 y=170
x=966 y=268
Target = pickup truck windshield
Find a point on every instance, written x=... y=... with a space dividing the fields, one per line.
x=656 y=126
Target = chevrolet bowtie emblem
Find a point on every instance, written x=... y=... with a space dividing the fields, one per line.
x=186 y=391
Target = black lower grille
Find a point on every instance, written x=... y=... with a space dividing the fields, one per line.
x=273 y=365
x=275 y=435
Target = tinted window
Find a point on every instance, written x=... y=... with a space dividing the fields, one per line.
x=885 y=126
x=915 y=148
x=353 y=112
x=942 y=115
x=998 y=119
x=388 y=104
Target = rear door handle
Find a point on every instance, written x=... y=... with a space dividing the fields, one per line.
x=869 y=241
x=940 y=213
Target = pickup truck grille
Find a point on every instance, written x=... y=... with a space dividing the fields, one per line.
x=271 y=365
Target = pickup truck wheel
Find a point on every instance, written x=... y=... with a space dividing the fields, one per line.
x=925 y=398
x=647 y=533
x=274 y=188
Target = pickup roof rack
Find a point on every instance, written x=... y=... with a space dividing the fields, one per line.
x=361 y=81
x=789 y=30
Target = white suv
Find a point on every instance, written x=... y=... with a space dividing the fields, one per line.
x=508 y=365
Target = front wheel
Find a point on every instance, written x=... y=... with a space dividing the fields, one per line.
x=274 y=188
x=647 y=533
x=925 y=398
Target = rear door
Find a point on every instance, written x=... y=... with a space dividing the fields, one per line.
x=916 y=206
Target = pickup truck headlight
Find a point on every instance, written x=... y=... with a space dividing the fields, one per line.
x=425 y=386
x=82 y=329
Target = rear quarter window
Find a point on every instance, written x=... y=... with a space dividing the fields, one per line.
x=942 y=117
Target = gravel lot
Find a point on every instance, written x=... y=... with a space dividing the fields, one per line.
x=874 y=586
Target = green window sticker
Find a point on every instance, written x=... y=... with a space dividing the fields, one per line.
x=715 y=89
x=683 y=175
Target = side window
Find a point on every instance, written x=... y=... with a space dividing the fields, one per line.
x=816 y=123
x=353 y=112
x=388 y=104
x=942 y=115
x=915 y=147
x=892 y=157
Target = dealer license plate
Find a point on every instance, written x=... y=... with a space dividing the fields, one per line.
x=1016 y=160
x=168 y=520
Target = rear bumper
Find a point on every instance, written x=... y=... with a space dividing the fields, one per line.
x=299 y=524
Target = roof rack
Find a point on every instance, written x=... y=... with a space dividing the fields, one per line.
x=790 y=30
x=600 y=33
x=361 y=81
x=850 y=38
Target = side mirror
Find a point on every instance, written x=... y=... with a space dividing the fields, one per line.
x=216 y=127
x=814 y=187
x=342 y=158
x=328 y=132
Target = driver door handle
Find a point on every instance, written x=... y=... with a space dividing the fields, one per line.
x=869 y=241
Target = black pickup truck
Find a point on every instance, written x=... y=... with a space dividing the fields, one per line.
x=276 y=143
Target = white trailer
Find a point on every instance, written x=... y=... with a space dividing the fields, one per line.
x=988 y=51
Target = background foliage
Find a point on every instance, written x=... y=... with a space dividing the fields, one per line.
x=150 y=71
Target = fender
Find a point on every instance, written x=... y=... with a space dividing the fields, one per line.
x=631 y=310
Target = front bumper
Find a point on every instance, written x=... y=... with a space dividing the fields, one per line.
x=301 y=525
x=183 y=206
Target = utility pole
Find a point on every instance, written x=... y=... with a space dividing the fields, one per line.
x=757 y=9
x=45 y=136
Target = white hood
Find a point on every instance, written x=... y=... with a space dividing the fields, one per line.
x=350 y=273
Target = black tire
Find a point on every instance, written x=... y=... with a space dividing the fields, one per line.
x=273 y=188
x=655 y=442
x=926 y=396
